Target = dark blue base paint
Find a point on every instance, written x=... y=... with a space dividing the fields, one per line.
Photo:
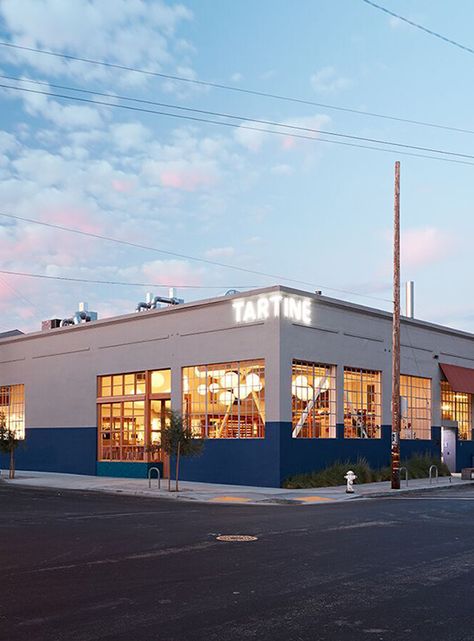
x=268 y=462
x=72 y=450
x=464 y=454
x=236 y=461
x=262 y=462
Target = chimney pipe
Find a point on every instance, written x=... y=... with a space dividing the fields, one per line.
x=410 y=299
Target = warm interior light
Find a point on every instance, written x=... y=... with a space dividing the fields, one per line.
x=185 y=384
x=226 y=398
x=199 y=374
x=229 y=380
x=157 y=380
x=304 y=393
x=301 y=381
x=216 y=373
x=321 y=383
x=202 y=389
x=253 y=382
x=214 y=388
x=242 y=391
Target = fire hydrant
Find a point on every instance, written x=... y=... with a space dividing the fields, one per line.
x=350 y=478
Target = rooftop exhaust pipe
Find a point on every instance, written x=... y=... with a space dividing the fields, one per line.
x=83 y=315
x=153 y=302
x=410 y=299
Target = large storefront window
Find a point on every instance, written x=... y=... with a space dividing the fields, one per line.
x=457 y=406
x=415 y=394
x=313 y=394
x=362 y=403
x=12 y=408
x=131 y=411
x=226 y=400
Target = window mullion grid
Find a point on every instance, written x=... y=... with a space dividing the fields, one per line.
x=313 y=409
x=238 y=399
x=206 y=405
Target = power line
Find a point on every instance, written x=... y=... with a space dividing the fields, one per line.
x=254 y=92
x=184 y=256
x=270 y=131
x=232 y=116
x=17 y=293
x=430 y=32
x=115 y=282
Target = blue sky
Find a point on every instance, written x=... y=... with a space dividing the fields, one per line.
x=303 y=209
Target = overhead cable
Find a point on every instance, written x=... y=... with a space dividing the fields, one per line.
x=243 y=90
x=446 y=156
x=125 y=283
x=167 y=252
x=430 y=32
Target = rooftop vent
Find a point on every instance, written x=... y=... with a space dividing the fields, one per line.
x=83 y=315
x=153 y=302
x=51 y=323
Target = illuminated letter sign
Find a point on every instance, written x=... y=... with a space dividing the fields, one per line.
x=274 y=306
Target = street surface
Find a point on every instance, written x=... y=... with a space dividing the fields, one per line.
x=79 y=566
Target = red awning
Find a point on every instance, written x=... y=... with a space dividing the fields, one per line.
x=461 y=379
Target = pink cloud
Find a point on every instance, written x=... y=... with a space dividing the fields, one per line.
x=173 y=272
x=288 y=143
x=187 y=180
x=72 y=217
x=426 y=245
x=122 y=186
x=5 y=292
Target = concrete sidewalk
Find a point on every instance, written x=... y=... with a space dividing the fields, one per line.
x=214 y=493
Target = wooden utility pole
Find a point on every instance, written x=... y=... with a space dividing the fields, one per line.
x=396 y=423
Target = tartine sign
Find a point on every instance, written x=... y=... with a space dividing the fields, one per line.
x=274 y=306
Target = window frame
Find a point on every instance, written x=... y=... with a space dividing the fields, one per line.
x=145 y=396
x=363 y=399
x=205 y=413
x=411 y=409
x=296 y=400
x=458 y=408
x=15 y=406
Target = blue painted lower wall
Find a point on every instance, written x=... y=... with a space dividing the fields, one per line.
x=262 y=462
x=464 y=454
x=234 y=461
x=301 y=455
x=71 y=450
x=268 y=462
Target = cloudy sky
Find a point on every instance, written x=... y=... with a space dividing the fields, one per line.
x=302 y=209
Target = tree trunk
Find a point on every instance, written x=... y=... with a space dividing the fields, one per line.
x=177 y=466
x=12 y=465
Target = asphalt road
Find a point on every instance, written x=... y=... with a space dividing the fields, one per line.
x=84 y=566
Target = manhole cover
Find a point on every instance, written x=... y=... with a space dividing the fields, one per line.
x=236 y=537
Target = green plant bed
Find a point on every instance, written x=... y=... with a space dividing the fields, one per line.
x=418 y=467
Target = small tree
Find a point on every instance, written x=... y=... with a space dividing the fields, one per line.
x=9 y=441
x=177 y=440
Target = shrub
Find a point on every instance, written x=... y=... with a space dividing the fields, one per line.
x=418 y=467
x=332 y=475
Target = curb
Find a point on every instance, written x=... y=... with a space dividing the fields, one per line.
x=264 y=500
x=410 y=490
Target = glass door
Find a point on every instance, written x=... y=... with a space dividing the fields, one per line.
x=159 y=417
